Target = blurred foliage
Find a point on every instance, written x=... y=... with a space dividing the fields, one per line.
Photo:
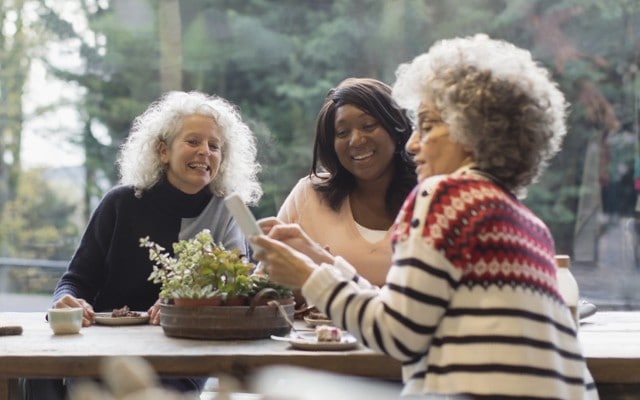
x=277 y=59
x=32 y=280
x=38 y=223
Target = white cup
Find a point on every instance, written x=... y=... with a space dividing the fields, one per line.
x=64 y=321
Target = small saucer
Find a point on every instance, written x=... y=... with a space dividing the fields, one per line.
x=107 y=319
x=586 y=309
x=308 y=341
x=316 y=322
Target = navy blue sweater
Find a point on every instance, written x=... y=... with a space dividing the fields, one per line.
x=109 y=268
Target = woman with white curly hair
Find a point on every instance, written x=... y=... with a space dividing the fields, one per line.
x=471 y=304
x=183 y=155
x=141 y=163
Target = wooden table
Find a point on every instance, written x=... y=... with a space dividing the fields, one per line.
x=610 y=341
x=39 y=353
x=611 y=345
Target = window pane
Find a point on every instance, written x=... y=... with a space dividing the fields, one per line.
x=76 y=73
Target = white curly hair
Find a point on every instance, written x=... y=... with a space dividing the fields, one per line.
x=495 y=99
x=139 y=160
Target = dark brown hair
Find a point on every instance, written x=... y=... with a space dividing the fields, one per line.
x=374 y=98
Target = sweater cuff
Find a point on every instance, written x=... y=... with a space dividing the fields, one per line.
x=348 y=271
x=323 y=279
x=344 y=268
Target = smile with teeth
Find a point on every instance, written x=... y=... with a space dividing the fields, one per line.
x=201 y=166
x=359 y=157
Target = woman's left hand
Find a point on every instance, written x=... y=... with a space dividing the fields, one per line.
x=266 y=224
x=154 y=313
x=293 y=235
x=284 y=264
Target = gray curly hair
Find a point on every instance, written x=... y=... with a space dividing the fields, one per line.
x=139 y=159
x=495 y=99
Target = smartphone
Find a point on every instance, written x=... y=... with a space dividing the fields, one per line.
x=243 y=217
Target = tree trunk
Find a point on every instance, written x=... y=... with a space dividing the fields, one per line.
x=14 y=65
x=170 y=33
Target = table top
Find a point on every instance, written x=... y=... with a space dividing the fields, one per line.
x=40 y=353
x=610 y=342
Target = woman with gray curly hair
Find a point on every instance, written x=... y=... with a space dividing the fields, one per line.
x=471 y=305
x=183 y=155
x=495 y=100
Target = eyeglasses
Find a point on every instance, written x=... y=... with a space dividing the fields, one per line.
x=425 y=122
x=426 y=126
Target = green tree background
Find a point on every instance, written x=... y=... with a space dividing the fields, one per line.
x=38 y=223
x=277 y=59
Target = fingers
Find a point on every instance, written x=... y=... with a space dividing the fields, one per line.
x=284 y=264
x=287 y=231
x=260 y=270
x=269 y=247
x=154 y=313
x=294 y=236
x=88 y=315
x=266 y=224
x=68 y=301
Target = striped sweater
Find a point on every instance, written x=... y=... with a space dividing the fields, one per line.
x=471 y=304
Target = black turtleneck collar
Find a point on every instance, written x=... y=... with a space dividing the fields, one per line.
x=166 y=196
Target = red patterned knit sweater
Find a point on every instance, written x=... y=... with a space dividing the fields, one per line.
x=471 y=303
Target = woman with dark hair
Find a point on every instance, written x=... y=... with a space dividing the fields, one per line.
x=360 y=175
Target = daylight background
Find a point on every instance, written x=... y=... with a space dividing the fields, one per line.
x=75 y=73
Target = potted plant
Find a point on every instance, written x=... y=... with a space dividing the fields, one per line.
x=263 y=290
x=203 y=273
x=199 y=270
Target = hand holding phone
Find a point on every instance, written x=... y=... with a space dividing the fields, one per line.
x=243 y=217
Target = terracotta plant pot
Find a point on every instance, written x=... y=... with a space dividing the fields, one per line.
x=210 y=301
x=236 y=301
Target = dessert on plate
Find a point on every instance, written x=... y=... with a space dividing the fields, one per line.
x=327 y=333
x=318 y=315
x=124 y=312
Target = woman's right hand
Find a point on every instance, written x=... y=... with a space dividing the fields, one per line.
x=266 y=224
x=294 y=236
x=154 y=313
x=282 y=263
x=68 y=301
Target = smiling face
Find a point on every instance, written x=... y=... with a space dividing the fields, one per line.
x=193 y=157
x=434 y=153
x=363 y=146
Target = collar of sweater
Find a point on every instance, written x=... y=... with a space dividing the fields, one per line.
x=174 y=201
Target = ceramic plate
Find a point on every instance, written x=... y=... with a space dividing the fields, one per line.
x=316 y=322
x=586 y=309
x=308 y=341
x=106 y=319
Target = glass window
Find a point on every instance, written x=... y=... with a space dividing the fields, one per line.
x=75 y=73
